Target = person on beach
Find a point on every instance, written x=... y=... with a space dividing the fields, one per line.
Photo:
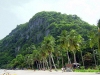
x=63 y=69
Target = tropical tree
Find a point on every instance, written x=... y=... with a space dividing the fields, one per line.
x=36 y=57
x=48 y=45
x=64 y=44
x=30 y=49
x=44 y=55
x=58 y=54
x=92 y=43
x=82 y=47
x=18 y=62
x=27 y=60
x=74 y=42
x=31 y=60
x=98 y=25
x=88 y=58
x=98 y=35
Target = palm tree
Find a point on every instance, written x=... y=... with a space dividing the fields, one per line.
x=37 y=57
x=27 y=60
x=82 y=47
x=44 y=55
x=31 y=60
x=88 y=57
x=64 y=44
x=74 y=42
x=98 y=24
x=92 y=42
x=58 y=54
x=48 y=45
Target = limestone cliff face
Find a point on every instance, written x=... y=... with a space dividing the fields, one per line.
x=31 y=32
x=39 y=26
x=36 y=29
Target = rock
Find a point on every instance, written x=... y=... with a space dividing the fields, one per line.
x=69 y=70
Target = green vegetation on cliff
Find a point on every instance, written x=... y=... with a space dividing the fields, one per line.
x=21 y=44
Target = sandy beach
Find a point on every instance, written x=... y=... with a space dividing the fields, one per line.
x=32 y=72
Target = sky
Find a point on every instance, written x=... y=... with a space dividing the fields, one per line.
x=16 y=12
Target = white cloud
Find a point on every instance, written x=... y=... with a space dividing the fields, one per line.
x=82 y=8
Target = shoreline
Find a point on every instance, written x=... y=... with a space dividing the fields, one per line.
x=46 y=72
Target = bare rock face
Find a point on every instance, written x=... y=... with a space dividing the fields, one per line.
x=39 y=26
x=36 y=29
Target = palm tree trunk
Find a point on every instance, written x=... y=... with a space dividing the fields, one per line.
x=94 y=58
x=82 y=58
x=29 y=65
x=32 y=64
x=39 y=65
x=43 y=64
x=57 y=62
x=50 y=61
x=74 y=57
x=99 y=43
x=53 y=62
x=62 y=62
x=69 y=62
x=47 y=64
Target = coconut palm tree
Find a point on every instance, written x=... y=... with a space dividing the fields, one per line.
x=44 y=55
x=31 y=60
x=37 y=57
x=26 y=60
x=64 y=43
x=92 y=43
x=82 y=47
x=98 y=24
x=48 y=45
x=74 y=42
x=58 y=54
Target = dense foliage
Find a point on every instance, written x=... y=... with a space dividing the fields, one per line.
x=50 y=38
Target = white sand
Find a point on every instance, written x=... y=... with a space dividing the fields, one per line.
x=32 y=72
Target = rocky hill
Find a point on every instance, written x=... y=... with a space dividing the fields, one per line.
x=33 y=32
